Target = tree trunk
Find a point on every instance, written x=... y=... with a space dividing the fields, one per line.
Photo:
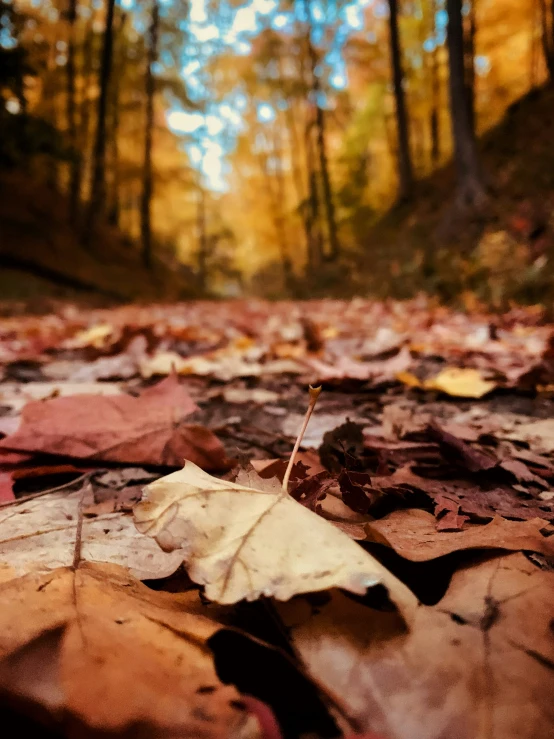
x=202 y=238
x=85 y=104
x=294 y=151
x=49 y=95
x=277 y=202
x=146 y=201
x=552 y=36
x=98 y=179
x=71 y=112
x=312 y=206
x=405 y=168
x=435 y=109
x=469 y=61
x=115 y=205
x=320 y=124
x=547 y=34
x=471 y=188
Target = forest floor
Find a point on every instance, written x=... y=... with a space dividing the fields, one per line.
x=400 y=587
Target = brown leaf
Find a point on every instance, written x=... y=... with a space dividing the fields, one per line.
x=447 y=513
x=413 y=535
x=478 y=665
x=342 y=447
x=98 y=649
x=459 y=452
x=311 y=490
x=357 y=491
x=6 y=486
x=479 y=503
x=149 y=429
x=377 y=371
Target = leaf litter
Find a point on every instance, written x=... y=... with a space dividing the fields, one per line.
x=431 y=448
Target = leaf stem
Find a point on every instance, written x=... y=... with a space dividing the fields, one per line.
x=314 y=395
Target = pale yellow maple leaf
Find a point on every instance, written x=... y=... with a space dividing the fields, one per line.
x=458 y=382
x=249 y=539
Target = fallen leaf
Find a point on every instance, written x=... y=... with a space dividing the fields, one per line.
x=9 y=425
x=149 y=429
x=96 y=648
x=342 y=447
x=377 y=371
x=256 y=395
x=478 y=665
x=39 y=535
x=307 y=463
x=413 y=535
x=223 y=366
x=460 y=452
x=310 y=491
x=17 y=397
x=245 y=542
x=120 y=366
x=447 y=514
x=480 y=504
x=456 y=381
x=461 y=383
x=539 y=434
x=320 y=425
x=6 y=487
x=356 y=489
x=96 y=336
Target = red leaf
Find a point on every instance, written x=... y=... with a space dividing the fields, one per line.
x=459 y=452
x=447 y=513
x=264 y=714
x=149 y=429
x=356 y=490
x=6 y=483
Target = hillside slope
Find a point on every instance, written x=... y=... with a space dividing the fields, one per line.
x=40 y=252
x=506 y=252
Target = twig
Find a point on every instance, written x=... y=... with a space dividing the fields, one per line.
x=79 y=530
x=314 y=395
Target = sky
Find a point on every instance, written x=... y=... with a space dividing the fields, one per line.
x=209 y=138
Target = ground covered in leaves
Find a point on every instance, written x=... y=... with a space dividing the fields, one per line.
x=399 y=588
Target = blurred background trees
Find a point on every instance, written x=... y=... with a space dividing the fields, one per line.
x=260 y=144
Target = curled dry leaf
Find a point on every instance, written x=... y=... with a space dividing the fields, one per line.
x=479 y=503
x=412 y=534
x=248 y=539
x=478 y=665
x=39 y=535
x=149 y=429
x=99 y=650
